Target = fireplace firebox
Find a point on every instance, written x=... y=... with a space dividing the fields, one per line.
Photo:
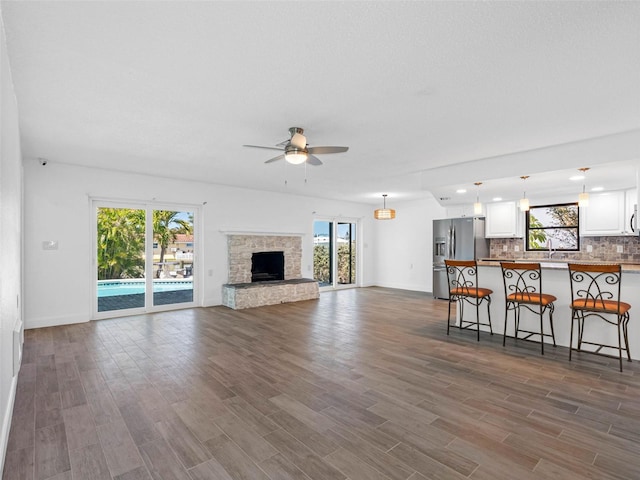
x=267 y=266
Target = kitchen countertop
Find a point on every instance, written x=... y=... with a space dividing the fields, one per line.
x=557 y=264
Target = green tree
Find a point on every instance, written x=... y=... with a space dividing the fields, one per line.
x=566 y=215
x=166 y=227
x=347 y=263
x=121 y=240
x=537 y=238
x=321 y=264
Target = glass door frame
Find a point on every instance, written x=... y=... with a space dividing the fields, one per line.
x=334 y=252
x=148 y=207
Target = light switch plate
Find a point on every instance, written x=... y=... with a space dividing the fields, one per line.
x=50 y=245
x=589 y=248
x=619 y=248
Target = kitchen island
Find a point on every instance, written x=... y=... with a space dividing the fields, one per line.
x=555 y=280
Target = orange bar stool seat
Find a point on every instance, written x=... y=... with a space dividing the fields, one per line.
x=595 y=295
x=523 y=289
x=462 y=276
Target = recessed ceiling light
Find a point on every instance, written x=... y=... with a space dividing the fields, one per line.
x=461 y=190
x=597 y=189
x=497 y=199
x=575 y=178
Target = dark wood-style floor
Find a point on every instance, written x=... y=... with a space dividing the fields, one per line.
x=362 y=384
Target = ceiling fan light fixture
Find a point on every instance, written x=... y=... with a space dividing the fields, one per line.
x=384 y=213
x=295 y=156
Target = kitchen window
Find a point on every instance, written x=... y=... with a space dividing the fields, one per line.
x=553 y=227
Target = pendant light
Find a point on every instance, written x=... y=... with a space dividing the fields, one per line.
x=524 y=201
x=477 y=207
x=384 y=213
x=583 y=198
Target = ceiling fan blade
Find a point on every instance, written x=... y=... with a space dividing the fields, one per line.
x=324 y=150
x=275 y=159
x=299 y=141
x=311 y=160
x=266 y=148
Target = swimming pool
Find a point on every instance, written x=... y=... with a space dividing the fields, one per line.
x=111 y=288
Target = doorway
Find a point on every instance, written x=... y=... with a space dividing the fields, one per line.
x=144 y=258
x=335 y=253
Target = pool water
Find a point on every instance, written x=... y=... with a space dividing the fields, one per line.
x=116 y=287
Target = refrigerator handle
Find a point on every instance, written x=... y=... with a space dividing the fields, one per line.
x=450 y=243
x=453 y=241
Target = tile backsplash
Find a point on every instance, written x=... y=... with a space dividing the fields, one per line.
x=604 y=249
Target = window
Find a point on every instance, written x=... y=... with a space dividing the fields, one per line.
x=553 y=226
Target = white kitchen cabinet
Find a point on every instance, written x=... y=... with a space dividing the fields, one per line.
x=503 y=220
x=630 y=202
x=459 y=211
x=605 y=214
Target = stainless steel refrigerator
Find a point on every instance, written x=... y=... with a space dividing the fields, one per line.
x=456 y=239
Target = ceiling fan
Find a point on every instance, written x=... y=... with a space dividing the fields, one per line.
x=296 y=150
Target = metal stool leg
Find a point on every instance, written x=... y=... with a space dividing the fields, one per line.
x=541 y=331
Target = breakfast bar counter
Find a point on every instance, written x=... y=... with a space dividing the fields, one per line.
x=555 y=280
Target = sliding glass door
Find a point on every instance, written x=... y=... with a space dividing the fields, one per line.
x=334 y=253
x=144 y=259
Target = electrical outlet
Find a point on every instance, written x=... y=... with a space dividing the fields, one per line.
x=516 y=248
x=505 y=248
x=619 y=248
x=589 y=248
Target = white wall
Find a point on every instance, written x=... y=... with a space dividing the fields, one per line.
x=58 y=283
x=10 y=241
x=403 y=247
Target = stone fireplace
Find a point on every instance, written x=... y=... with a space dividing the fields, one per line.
x=241 y=292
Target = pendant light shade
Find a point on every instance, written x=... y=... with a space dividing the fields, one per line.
x=384 y=213
x=524 y=201
x=583 y=198
x=477 y=207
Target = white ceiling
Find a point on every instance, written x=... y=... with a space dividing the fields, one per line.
x=421 y=92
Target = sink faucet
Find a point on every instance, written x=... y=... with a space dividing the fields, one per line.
x=550 y=247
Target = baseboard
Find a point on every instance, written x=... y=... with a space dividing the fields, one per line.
x=6 y=421
x=42 y=322
x=401 y=286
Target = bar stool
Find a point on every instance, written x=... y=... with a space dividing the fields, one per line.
x=523 y=289
x=595 y=292
x=463 y=287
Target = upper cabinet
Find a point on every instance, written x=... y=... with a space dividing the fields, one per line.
x=503 y=220
x=608 y=213
x=458 y=211
x=630 y=207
